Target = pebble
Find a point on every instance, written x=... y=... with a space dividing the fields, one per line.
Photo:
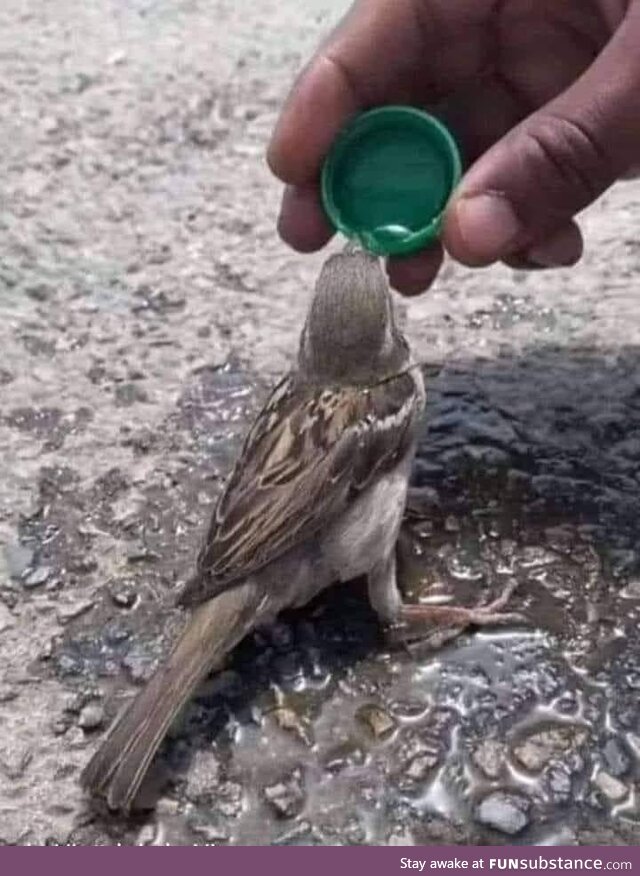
x=211 y=833
x=286 y=797
x=60 y=726
x=535 y=752
x=618 y=761
x=489 y=757
x=73 y=703
x=147 y=835
x=91 y=717
x=631 y=591
x=376 y=720
x=229 y=799
x=123 y=597
x=290 y=721
x=117 y=57
x=559 y=783
x=503 y=811
x=344 y=755
x=139 y=665
x=72 y=610
x=37 y=578
x=204 y=777
x=421 y=765
x=612 y=788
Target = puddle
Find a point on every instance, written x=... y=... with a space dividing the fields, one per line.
x=317 y=732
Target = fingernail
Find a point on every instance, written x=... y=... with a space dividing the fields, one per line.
x=559 y=252
x=487 y=225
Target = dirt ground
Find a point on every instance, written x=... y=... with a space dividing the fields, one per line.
x=146 y=305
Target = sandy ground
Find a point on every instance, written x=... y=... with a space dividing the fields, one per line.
x=146 y=303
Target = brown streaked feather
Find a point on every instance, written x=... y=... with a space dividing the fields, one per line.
x=307 y=453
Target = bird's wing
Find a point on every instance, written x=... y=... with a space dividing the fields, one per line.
x=308 y=453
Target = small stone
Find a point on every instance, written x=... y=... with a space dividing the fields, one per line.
x=72 y=610
x=421 y=766
x=631 y=591
x=489 y=757
x=376 y=720
x=73 y=703
x=617 y=759
x=229 y=799
x=123 y=596
x=559 y=783
x=82 y=81
x=60 y=726
x=633 y=742
x=612 y=788
x=139 y=665
x=344 y=755
x=37 y=578
x=68 y=664
x=302 y=833
x=50 y=124
x=290 y=721
x=204 y=777
x=18 y=558
x=140 y=553
x=506 y=812
x=535 y=752
x=91 y=717
x=286 y=798
x=211 y=833
x=147 y=835
x=114 y=634
x=119 y=56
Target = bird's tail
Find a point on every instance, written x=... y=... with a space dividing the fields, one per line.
x=117 y=769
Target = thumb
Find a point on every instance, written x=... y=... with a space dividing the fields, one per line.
x=529 y=185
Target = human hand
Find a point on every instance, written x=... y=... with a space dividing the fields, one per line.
x=544 y=98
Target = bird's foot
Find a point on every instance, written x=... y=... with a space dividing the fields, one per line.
x=437 y=624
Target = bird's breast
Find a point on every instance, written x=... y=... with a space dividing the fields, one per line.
x=367 y=532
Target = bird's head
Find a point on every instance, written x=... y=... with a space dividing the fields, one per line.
x=350 y=335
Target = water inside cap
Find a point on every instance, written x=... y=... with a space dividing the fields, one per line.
x=388 y=177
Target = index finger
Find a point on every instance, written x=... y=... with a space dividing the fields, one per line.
x=370 y=58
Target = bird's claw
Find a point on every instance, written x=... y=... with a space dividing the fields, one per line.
x=437 y=625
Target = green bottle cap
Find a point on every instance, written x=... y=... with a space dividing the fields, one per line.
x=388 y=177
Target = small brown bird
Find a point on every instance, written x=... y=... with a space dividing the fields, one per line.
x=316 y=497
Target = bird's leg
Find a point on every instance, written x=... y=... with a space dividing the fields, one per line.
x=435 y=623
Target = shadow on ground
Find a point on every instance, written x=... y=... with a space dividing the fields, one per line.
x=317 y=732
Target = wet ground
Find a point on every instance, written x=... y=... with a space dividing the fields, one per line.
x=146 y=309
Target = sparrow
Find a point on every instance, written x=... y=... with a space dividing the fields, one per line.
x=316 y=498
